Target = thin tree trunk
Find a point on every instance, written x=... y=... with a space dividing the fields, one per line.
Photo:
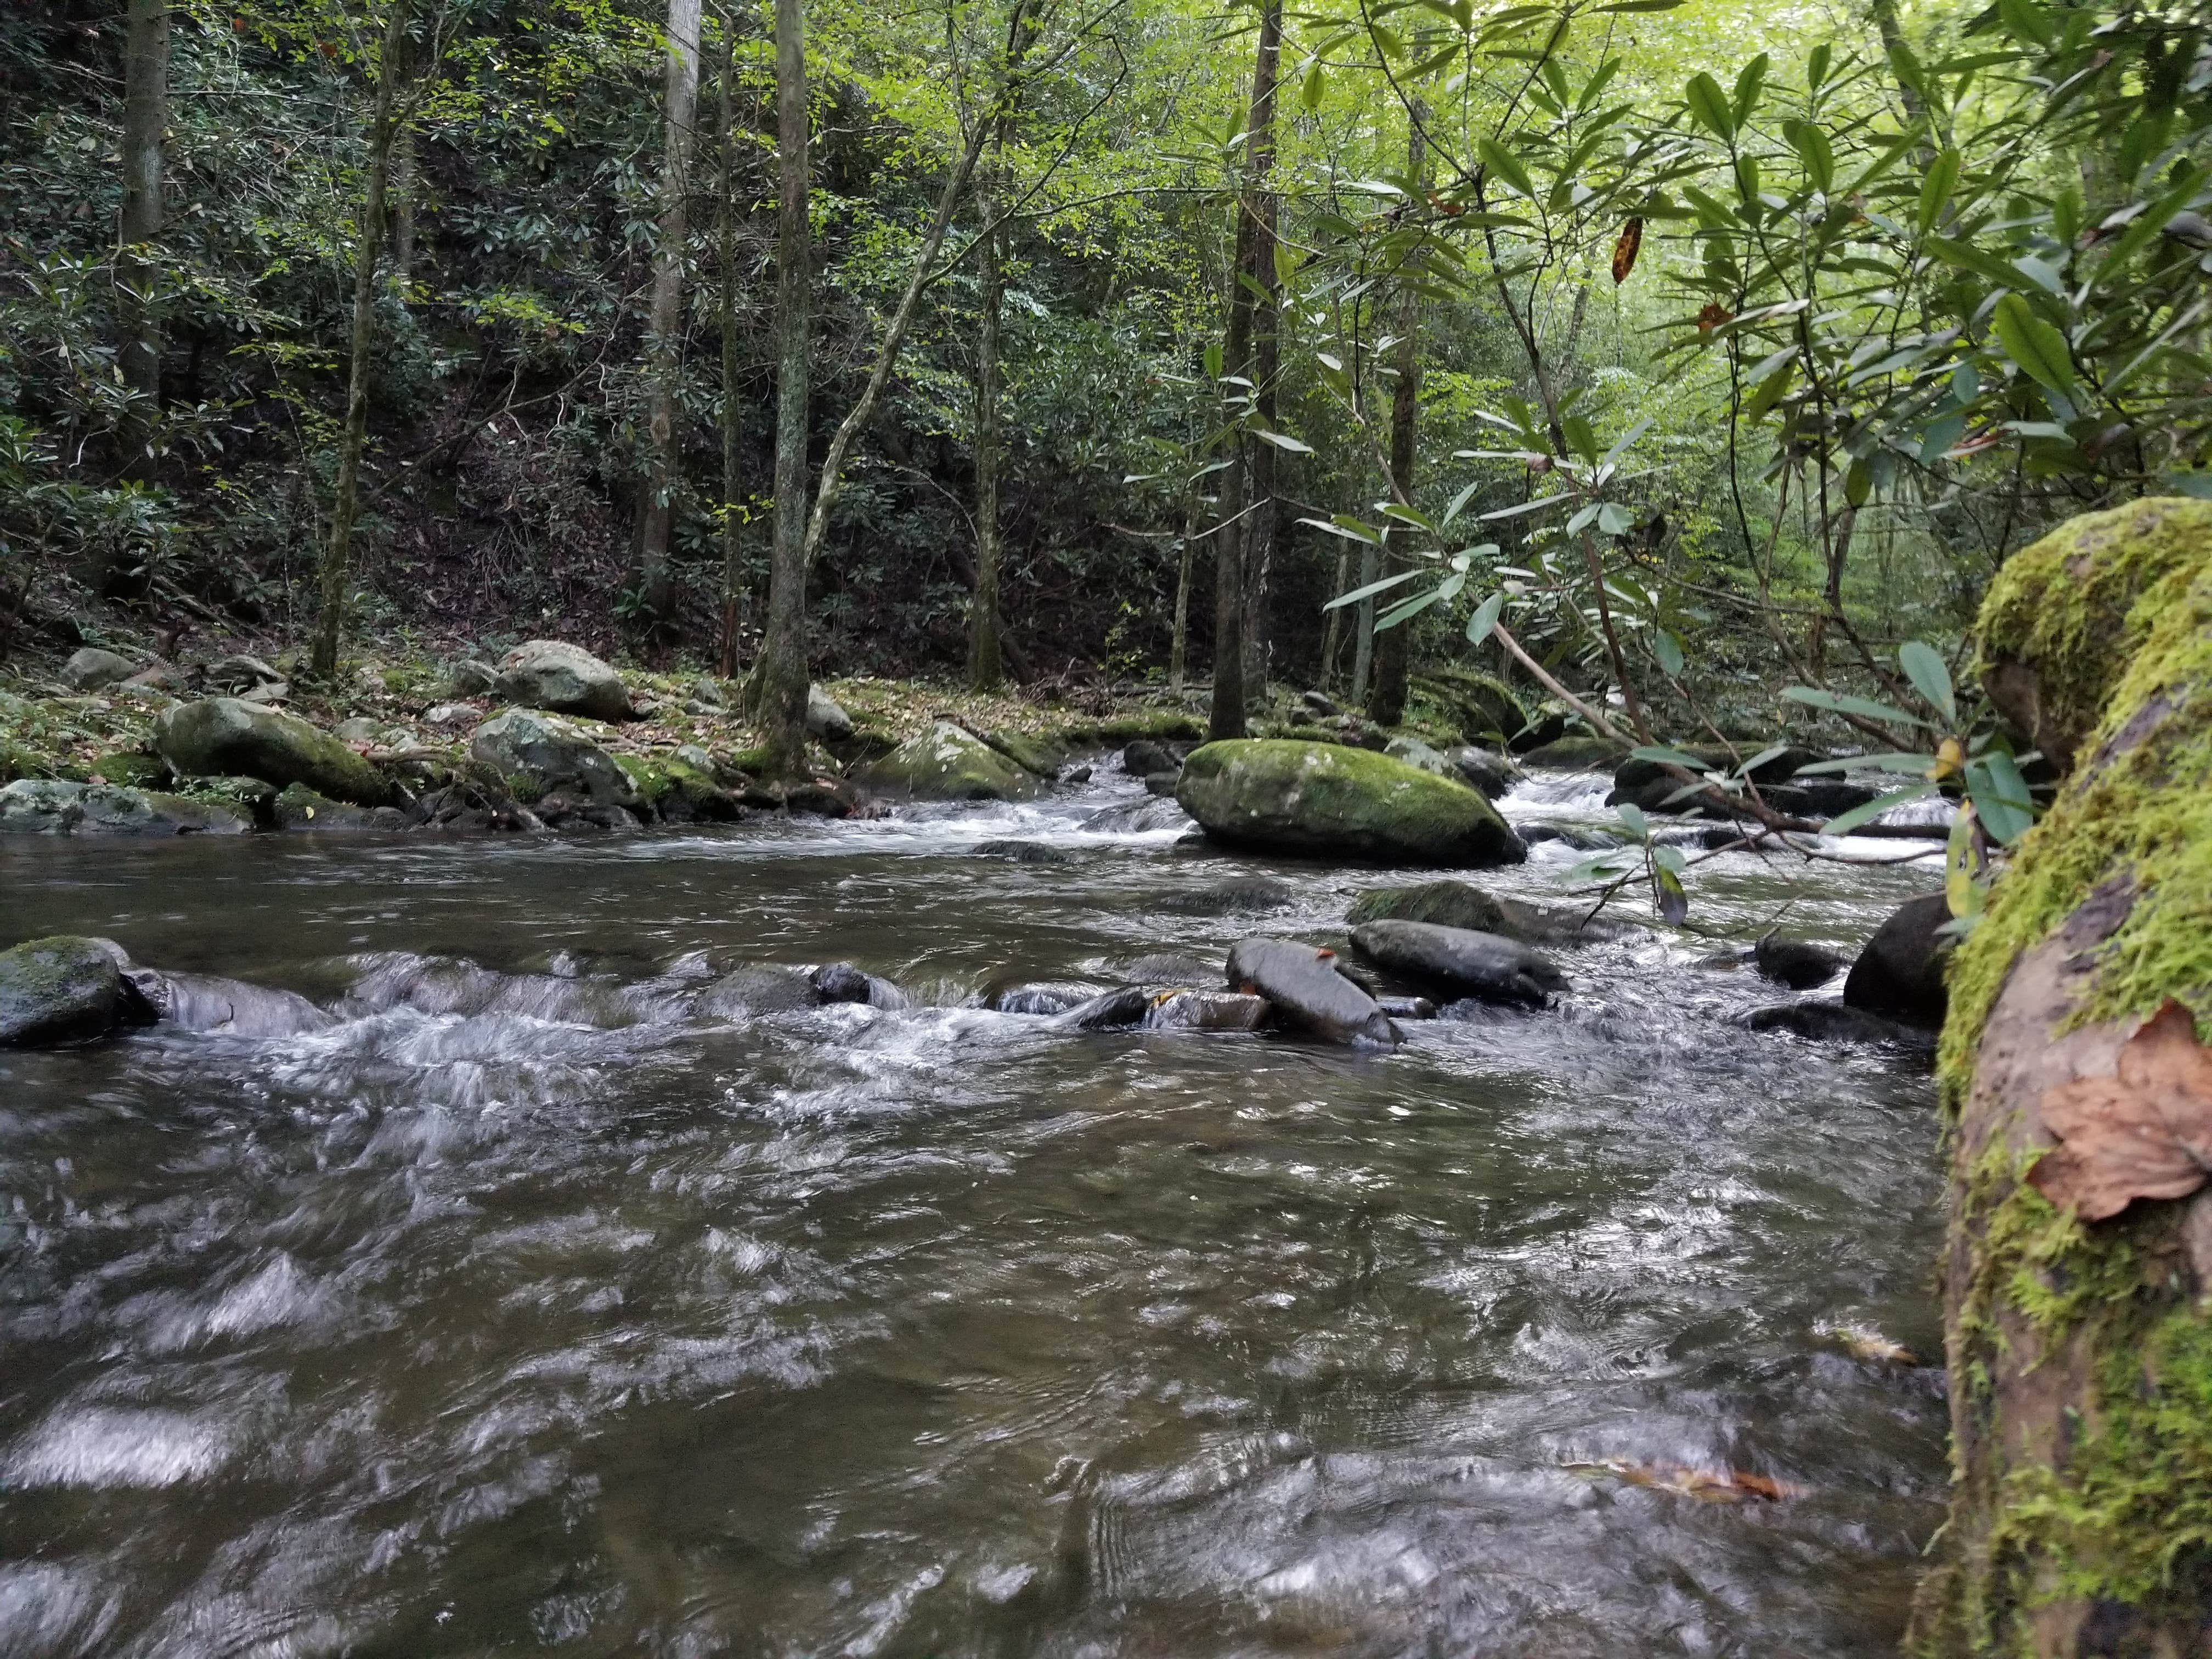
x=782 y=700
x=727 y=258
x=338 y=554
x=1227 y=718
x=1386 y=704
x=405 y=172
x=985 y=669
x=1263 y=528
x=1179 y=642
x=664 y=324
x=1332 y=632
x=145 y=111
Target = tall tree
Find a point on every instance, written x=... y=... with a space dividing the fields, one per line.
x=1262 y=525
x=986 y=668
x=726 y=240
x=385 y=115
x=664 y=324
x=145 y=112
x=1231 y=540
x=1386 y=703
x=780 y=689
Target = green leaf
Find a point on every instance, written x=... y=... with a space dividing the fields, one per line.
x=1750 y=80
x=1923 y=665
x=1674 y=902
x=1632 y=819
x=2000 y=796
x=1668 y=650
x=1667 y=755
x=2034 y=344
x=1282 y=440
x=1967 y=257
x=1813 y=698
x=1310 y=92
x=1372 y=588
x=1936 y=189
x=1961 y=892
x=1710 y=105
x=1484 y=618
x=1812 y=147
x=1410 y=609
x=1506 y=165
x=1351 y=529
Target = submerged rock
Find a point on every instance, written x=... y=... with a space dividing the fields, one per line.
x=542 y=757
x=1206 y=1010
x=1135 y=817
x=228 y=737
x=1450 y=903
x=563 y=679
x=1302 y=982
x=1240 y=896
x=1169 y=968
x=761 y=989
x=947 y=764
x=1900 y=972
x=1568 y=754
x=1460 y=960
x=65 y=988
x=1025 y=852
x=1038 y=997
x=1329 y=799
x=1833 y=1022
x=203 y=1002
x=841 y=982
x=1796 y=962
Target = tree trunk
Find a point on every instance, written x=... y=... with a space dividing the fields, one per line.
x=405 y=173
x=1179 y=642
x=1262 y=528
x=665 y=321
x=1331 y=633
x=145 y=111
x=338 y=554
x=984 y=670
x=1386 y=703
x=727 y=258
x=1232 y=540
x=781 y=699
x=2078 y=1268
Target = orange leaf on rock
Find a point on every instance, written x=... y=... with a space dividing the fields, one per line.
x=2144 y=1132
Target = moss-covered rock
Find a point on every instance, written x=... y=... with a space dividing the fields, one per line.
x=1483 y=707
x=300 y=808
x=947 y=764
x=62 y=989
x=2065 y=617
x=2080 y=1351
x=1331 y=800
x=539 y=755
x=1574 y=754
x=677 y=790
x=130 y=769
x=222 y=737
x=1040 y=757
x=1450 y=903
x=55 y=807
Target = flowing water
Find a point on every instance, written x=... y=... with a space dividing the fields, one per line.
x=578 y=1323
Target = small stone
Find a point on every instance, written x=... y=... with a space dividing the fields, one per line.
x=240 y=672
x=91 y=668
x=358 y=729
x=451 y=713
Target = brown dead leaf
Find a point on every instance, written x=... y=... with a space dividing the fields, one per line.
x=1714 y=1485
x=1626 y=250
x=2146 y=1132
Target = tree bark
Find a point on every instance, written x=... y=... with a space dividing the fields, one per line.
x=1234 y=536
x=145 y=112
x=665 y=321
x=1386 y=703
x=727 y=258
x=1263 y=528
x=781 y=699
x=985 y=667
x=337 y=554
x=2078 y=1264
x=406 y=186
x=1179 y=642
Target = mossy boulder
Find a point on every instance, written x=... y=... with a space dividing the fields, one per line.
x=1040 y=757
x=298 y=807
x=947 y=764
x=1450 y=903
x=130 y=769
x=2078 y=1310
x=1575 y=754
x=64 y=989
x=2064 y=618
x=1482 y=705
x=677 y=789
x=543 y=755
x=562 y=679
x=55 y=807
x=1333 y=801
x=224 y=737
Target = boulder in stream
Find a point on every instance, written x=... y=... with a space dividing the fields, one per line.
x=947 y=764
x=1304 y=984
x=1833 y=1022
x=1205 y=1011
x=762 y=988
x=65 y=988
x=1460 y=960
x=1451 y=903
x=1573 y=754
x=1146 y=758
x=228 y=737
x=230 y=1008
x=1491 y=772
x=1899 y=974
x=298 y=807
x=564 y=679
x=1037 y=996
x=841 y=982
x=51 y=807
x=1797 y=962
x=541 y=756
x=1335 y=801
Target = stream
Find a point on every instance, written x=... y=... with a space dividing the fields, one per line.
x=577 y=1325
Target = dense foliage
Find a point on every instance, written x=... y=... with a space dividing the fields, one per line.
x=1718 y=376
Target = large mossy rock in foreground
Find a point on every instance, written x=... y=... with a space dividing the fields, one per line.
x=2078 y=1268
x=1333 y=801
x=2064 y=617
x=947 y=764
x=64 y=989
x=228 y=737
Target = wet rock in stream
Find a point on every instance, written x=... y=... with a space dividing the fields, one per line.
x=1460 y=960
x=1302 y=982
x=1797 y=962
x=64 y=988
x=841 y=982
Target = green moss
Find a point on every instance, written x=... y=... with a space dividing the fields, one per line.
x=130 y=769
x=2121 y=1515
x=524 y=786
x=651 y=778
x=1333 y=799
x=751 y=762
x=1472 y=705
x=2071 y=607
x=1159 y=724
